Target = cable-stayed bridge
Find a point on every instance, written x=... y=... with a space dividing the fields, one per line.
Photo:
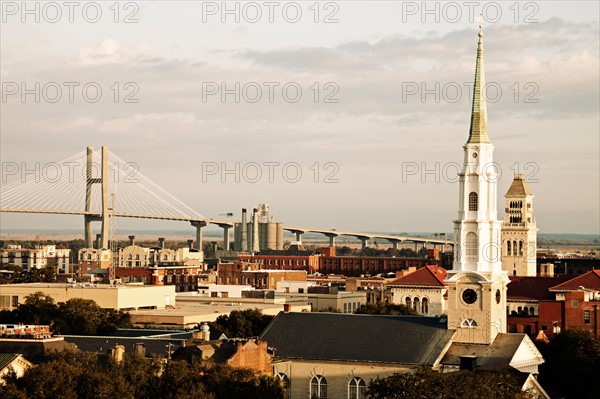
x=100 y=186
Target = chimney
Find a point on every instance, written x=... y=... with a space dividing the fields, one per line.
x=161 y=242
x=140 y=349
x=117 y=353
x=255 y=246
x=98 y=241
x=244 y=246
x=205 y=332
x=131 y=240
x=287 y=307
x=190 y=243
x=468 y=363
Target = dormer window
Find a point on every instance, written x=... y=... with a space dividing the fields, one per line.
x=468 y=323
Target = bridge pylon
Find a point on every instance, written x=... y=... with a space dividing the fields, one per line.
x=104 y=217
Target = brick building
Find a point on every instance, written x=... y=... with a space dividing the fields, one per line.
x=356 y=266
x=252 y=274
x=293 y=258
x=551 y=304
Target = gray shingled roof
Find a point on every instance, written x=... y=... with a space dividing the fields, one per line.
x=365 y=338
x=496 y=356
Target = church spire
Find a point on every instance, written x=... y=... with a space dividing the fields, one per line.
x=478 y=132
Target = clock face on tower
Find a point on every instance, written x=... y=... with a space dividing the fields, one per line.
x=469 y=296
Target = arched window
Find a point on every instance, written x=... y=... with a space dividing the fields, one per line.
x=425 y=306
x=416 y=304
x=137 y=257
x=357 y=389
x=285 y=381
x=165 y=257
x=508 y=248
x=531 y=311
x=473 y=201
x=468 y=323
x=515 y=248
x=408 y=302
x=471 y=247
x=521 y=248
x=130 y=257
x=318 y=387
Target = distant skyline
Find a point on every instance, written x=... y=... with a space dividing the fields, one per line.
x=385 y=156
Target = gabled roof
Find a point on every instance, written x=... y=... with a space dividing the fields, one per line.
x=589 y=280
x=518 y=187
x=428 y=276
x=6 y=359
x=533 y=288
x=412 y=340
x=507 y=350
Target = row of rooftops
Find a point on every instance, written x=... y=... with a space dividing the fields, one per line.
x=520 y=287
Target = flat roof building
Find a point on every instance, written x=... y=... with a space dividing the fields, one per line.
x=106 y=296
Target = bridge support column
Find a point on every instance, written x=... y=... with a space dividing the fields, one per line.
x=395 y=244
x=87 y=228
x=88 y=198
x=364 y=242
x=226 y=237
x=299 y=236
x=332 y=241
x=198 y=225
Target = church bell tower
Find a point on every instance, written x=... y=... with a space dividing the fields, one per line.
x=477 y=284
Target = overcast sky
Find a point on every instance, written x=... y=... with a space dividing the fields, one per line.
x=385 y=94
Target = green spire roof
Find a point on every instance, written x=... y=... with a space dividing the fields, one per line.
x=479 y=132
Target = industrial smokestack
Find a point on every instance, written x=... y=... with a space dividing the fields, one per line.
x=244 y=231
x=255 y=246
x=161 y=242
x=131 y=240
x=190 y=243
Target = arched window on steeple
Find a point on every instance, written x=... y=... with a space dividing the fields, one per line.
x=508 y=248
x=515 y=248
x=473 y=201
x=471 y=248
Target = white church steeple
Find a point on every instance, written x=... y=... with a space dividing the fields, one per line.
x=477 y=231
x=477 y=284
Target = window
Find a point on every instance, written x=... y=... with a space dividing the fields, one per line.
x=586 y=316
x=574 y=303
x=318 y=387
x=531 y=311
x=408 y=302
x=508 y=248
x=515 y=248
x=416 y=304
x=521 y=248
x=425 y=306
x=285 y=381
x=15 y=304
x=469 y=323
x=473 y=201
x=471 y=247
x=357 y=389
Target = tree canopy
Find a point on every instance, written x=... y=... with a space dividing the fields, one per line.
x=75 y=317
x=383 y=308
x=429 y=384
x=572 y=363
x=241 y=323
x=81 y=375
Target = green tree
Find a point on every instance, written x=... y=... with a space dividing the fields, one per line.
x=241 y=324
x=84 y=317
x=425 y=383
x=383 y=308
x=572 y=361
